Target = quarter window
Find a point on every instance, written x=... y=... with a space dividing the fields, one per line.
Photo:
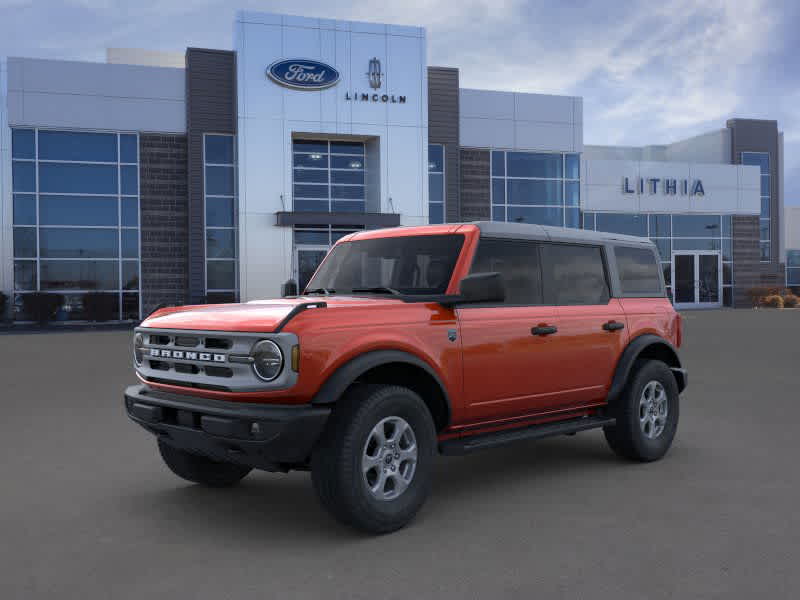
x=638 y=271
x=518 y=263
x=574 y=275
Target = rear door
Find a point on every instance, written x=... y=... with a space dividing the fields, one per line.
x=507 y=368
x=591 y=324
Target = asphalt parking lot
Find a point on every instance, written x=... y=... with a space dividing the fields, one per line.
x=88 y=511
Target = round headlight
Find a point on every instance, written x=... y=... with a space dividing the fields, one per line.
x=267 y=360
x=138 y=349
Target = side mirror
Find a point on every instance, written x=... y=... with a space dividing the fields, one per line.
x=483 y=287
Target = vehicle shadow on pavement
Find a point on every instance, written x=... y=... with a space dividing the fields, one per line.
x=277 y=508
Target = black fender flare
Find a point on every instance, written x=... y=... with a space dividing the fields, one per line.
x=633 y=351
x=346 y=374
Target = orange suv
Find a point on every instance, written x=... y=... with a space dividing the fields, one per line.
x=410 y=342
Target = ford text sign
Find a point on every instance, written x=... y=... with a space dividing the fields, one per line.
x=303 y=74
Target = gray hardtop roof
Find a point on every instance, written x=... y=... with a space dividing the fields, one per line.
x=528 y=231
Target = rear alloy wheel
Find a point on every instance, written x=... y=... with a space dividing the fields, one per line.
x=646 y=413
x=372 y=467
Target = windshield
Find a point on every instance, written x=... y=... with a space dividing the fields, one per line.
x=419 y=264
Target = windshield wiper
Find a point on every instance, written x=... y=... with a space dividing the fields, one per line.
x=322 y=290
x=380 y=289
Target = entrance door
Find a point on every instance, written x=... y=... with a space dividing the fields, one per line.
x=697 y=279
x=308 y=259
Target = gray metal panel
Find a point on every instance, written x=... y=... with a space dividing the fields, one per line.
x=443 y=128
x=210 y=108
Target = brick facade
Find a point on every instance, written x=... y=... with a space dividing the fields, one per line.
x=475 y=182
x=164 y=214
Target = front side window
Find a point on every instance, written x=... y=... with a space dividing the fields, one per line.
x=518 y=263
x=408 y=265
x=574 y=274
x=638 y=271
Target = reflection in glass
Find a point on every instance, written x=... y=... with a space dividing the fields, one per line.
x=56 y=242
x=66 y=178
x=77 y=146
x=77 y=210
x=80 y=275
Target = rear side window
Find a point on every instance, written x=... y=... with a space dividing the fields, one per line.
x=517 y=262
x=638 y=271
x=574 y=275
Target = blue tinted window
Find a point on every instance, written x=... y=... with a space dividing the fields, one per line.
x=348 y=206
x=357 y=177
x=793 y=277
x=766 y=251
x=219 y=181
x=314 y=175
x=538 y=215
x=25 y=242
x=128 y=149
x=572 y=217
x=219 y=212
x=317 y=238
x=219 y=149
x=338 y=162
x=130 y=275
x=320 y=161
x=696 y=244
x=129 y=180
x=130 y=212
x=524 y=191
x=759 y=159
x=660 y=226
x=726 y=226
x=530 y=164
x=793 y=258
x=664 y=248
x=130 y=243
x=347 y=192
x=498 y=191
x=628 y=224
x=23 y=176
x=588 y=221
x=435 y=213
x=24 y=275
x=310 y=191
x=77 y=210
x=73 y=145
x=78 y=243
x=80 y=275
x=765 y=185
x=498 y=163
x=24 y=209
x=77 y=179
x=221 y=274
x=220 y=243
x=498 y=213
x=696 y=225
x=572 y=189
x=436 y=187
x=23 y=143
x=347 y=148
x=311 y=205
x=727 y=249
x=765 y=207
x=435 y=158
x=310 y=146
x=573 y=166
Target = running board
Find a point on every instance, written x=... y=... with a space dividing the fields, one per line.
x=465 y=445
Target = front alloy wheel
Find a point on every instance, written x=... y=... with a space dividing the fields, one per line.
x=389 y=459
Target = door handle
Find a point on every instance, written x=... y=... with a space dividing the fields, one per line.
x=544 y=330
x=613 y=326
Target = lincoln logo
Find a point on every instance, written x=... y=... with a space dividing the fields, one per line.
x=301 y=74
x=184 y=355
x=374 y=74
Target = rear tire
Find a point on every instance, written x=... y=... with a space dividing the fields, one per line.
x=199 y=469
x=646 y=412
x=372 y=467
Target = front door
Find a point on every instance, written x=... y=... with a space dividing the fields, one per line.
x=697 y=279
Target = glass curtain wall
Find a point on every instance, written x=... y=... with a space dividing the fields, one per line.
x=76 y=219
x=761 y=160
x=328 y=176
x=672 y=232
x=536 y=187
x=219 y=159
x=311 y=244
x=793 y=268
x=435 y=184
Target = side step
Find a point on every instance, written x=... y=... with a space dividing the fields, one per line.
x=465 y=445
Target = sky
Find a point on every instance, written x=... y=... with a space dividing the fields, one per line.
x=649 y=72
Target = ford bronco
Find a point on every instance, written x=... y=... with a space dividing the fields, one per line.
x=414 y=341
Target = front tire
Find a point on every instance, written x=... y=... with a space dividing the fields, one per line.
x=372 y=466
x=199 y=469
x=646 y=412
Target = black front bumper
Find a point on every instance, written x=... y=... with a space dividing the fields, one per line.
x=269 y=437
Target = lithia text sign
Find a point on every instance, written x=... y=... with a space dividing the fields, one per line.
x=667 y=186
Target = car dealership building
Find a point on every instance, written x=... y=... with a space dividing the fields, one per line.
x=219 y=175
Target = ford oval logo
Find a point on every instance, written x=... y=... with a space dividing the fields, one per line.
x=303 y=74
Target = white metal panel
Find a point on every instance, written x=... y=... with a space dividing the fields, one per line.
x=543 y=107
x=259 y=96
x=364 y=47
x=405 y=149
x=486 y=133
x=486 y=104
x=301 y=105
x=546 y=136
x=405 y=77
